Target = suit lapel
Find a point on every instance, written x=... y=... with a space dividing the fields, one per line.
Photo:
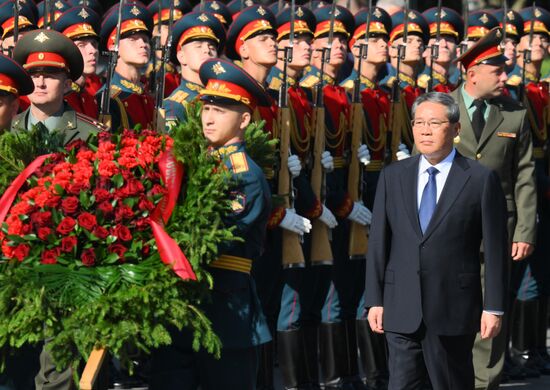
x=458 y=176
x=409 y=181
x=494 y=120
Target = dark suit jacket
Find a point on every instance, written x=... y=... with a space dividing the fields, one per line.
x=435 y=277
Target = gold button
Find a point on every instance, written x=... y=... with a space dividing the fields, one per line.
x=478 y=156
x=40 y=56
x=126 y=104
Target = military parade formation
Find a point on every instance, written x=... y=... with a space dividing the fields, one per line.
x=336 y=89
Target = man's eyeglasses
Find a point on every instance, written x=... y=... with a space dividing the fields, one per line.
x=433 y=124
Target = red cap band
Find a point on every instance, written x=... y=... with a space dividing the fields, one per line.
x=8 y=84
x=78 y=30
x=197 y=32
x=251 y=28
x=45 y=59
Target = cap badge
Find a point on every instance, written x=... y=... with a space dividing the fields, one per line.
x=215 y=6
x=218 y=68
x=412 y=15
x=443 y=14
x=511 y=15
x=261 y=11
x=83 y=13
x=203 y=18
x=337 y=12
x=537 y=12
x=300 y=13
x=377 y=13
x=177 y=3
x=59 y=5
x=41 y=37
x=484 y=18
x=41 y=56
x=135 y=11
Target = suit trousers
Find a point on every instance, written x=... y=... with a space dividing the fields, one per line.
x=447 y=360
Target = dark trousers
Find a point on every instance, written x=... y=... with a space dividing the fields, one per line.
x=447 y=360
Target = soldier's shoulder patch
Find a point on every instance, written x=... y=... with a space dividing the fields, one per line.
x=347 y=84
x=514 y=80
x=309 y=81
x=239 y=164
x=422 y=80
x=91 y=121
x=275 y=83
x=178 y=97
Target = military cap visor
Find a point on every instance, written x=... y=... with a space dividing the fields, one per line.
x=514 y=22
x=135 y=18
x=304 y=22
x=380 y=24
x=13 y=78
x=7 y=19
x=416 y=25
x=451 y=23
x=226 y=82
x=480 y=23
x=78 y=22
x=538 y=17
x=485 y=51
x=49 y=49
x=343 y=21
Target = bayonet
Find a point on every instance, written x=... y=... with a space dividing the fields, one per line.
x=434 y=48
x=504 y=24
x=465 y=11
x=527 y=53
x=16 y=22
x=363 y=52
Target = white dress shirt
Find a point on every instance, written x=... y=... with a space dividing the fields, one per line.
x=444 y=167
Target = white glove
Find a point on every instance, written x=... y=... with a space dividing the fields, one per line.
x=360 y=214
x=363 y=154
x=403 y=153
x=294 y=165
x=328 y=218
x=327 y=161
x=295 y=223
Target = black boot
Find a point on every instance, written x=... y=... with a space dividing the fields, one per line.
x=373 y=352
x=291 y=350
x=265 y=370
x=311 y=340
x=352 y=373
x=524 y=336
x=334 y=356
x=542 y=328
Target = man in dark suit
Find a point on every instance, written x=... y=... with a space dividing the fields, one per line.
x=423 y=283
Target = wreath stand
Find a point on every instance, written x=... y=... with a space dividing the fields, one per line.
x=94 y=376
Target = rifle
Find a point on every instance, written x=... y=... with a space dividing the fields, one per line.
x=156 y=45
x=504 y=22
x=434 y=48
x=464 y=43
x=160 y=113
x=105 y=102
x=393 y=136
x=321 y=252
x=527 y=57
x=358 y=233
x=16 y=10
x=292 y=254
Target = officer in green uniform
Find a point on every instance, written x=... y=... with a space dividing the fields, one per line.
x=230 y=95
x=53 y=61
x=498 y=135
x=198 y=36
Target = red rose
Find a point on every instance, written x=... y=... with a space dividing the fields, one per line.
x=21 y=251
x=66 y=226
x=53 y=201
x=122 y=232
x=101 y=232
x=70 y=204
x=119 y=249
x=142 y=224
x=44 y=232
x=68 y=243
x=88 y=257
x=49 y=256
x=87 y=221
x=75 y=188
x=123 y=212
x=146 y=250
x=145 y=204
x=41 y=218
x=101 y=195
x=105 y=207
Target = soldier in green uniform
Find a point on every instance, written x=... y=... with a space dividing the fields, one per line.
x=495 y=131
x=53 y=61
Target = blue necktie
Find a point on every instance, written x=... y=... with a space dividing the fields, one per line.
x=429 y=200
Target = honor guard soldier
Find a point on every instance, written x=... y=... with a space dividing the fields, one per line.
x=531 y=306
x=160 y=35
x=218 y=9
x=446 y=37
x=514 y=30
x=58 y=7
x=197 y=37
x=375 y=104
x=52 y=60
x=130 y=103
x=81 y=25
x=495 y=131
x=229 y=98
x=7 y=22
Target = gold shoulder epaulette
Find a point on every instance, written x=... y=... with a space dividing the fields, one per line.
x=390 y=81
x=309 y=81
x=422 y=81
x=179 y=97
x=348 y=85
x=91 y=121
x=115 y=91
x=514 y=80
x=275 y=83
x=238 y=162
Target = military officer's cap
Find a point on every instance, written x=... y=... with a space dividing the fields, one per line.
x=236 y=6
x=479 y=24
x=514 y=22
x=78 y=23
x=416 y=25
x=227 y=83
x=485 y=51
x=451 y=22
x=380 y=24
x=58 y=6
x=29 y=4
x=217 y=8
x=50 y=50
x=540 y=17
x=135 y=18
x=304 y=22
x=251 y=22
x=13 y=78
x=181 y=7
x=343 y=21
x=7 y=18
x=196 y=25
x=93 y=4
x=313 y=5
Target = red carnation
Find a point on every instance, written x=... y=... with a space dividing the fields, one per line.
x=119 y=249
x=88 y=257
x=66 y=226
x=105 y=207
x=87 y=221
x=49 y=256
x=107 y=168
x=101 y=232
x=70 y=204
x=21 y=251
x=122 y=232
x=43 y=233
x=68 y=243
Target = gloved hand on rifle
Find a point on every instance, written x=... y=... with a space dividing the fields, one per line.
x=363 y=154
x=327 y=161
x=328 y=218
x=360 y=214
x=295 y=223
x=294 y=165
x=403 y=152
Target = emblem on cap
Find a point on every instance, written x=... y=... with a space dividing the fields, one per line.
x=203 y=18
x=83 y=13
x=412 y=15
x=135 y=11
x=511 y=15
x=377 y=13
x=337 y=12
x=215 y=6
x=40 y=56
x=261 y=11
x=218 y=68
x=177 y=3
x=300 y=13
x=443 y=13
x=537 y=12
x=484 y=18
x=59 y=5
x=41 y=37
